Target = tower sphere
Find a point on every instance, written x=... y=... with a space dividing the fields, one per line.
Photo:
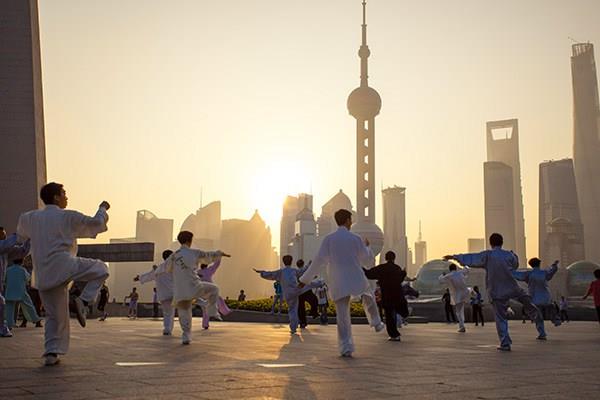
x=364 y=103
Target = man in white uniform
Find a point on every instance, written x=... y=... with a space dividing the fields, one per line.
x=53 y=232
x=187 y=286
x=343 y=254
x=164 y=290
x=459 y=292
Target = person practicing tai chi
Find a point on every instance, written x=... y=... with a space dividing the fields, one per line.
x=17 y=296
x=206 y=273
x=53 y=232
x=390 y=277
x=343 y=254
x=187 y=286
x=499 y=265
x=133 y=297
x=291 y=289
x=164 y=290
x=459 y=292
x=102 y=301
x=9 y=249
x=537 y=283
x=594 y=291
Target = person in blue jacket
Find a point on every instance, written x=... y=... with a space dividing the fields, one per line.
x=537 y=282
x=16 y=294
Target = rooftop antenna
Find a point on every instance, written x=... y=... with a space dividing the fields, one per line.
x=420 y=235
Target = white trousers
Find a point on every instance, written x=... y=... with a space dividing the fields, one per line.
x=205 y=291
x=344 y=323
x=56 y=303
x=168 y=315
x=459 y=309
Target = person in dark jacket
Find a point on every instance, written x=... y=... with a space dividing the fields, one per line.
x=390 y=277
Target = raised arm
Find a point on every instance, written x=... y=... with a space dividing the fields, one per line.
x=212 y=268
x=208 y=256
x=473 y=260
x=521 y=275
x=365 y=255
x=373 y=273
x=83 y=226
x=318 y=264
x=552 y=270
x=147 y=277
x=7 y=244
x=269 y=275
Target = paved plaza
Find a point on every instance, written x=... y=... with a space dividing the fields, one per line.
x=131 y=359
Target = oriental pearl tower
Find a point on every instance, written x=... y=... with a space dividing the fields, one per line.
x=364 y=104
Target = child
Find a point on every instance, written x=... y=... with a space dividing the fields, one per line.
x=288 y=277
x=16 y=294
x=594 y=290
x=164 y=290
x=187 y=286
x=537 y=283
x=476 y=305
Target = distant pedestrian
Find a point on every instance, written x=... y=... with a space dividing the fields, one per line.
x=447 y=300
x=102 y=300
x=563 y=309
x=242 y=295
x=133 y=303
x=477 y=306
x=154 y=303
x=594 y=290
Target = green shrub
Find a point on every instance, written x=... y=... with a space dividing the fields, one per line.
x=264 y=305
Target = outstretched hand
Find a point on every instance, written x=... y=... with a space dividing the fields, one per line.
x=301 y=285
x=223 y=254
x=448 y=258
x=256 y=270
x=136 y=278
x=105 y=204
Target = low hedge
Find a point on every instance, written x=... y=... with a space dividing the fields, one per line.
x=264 y=305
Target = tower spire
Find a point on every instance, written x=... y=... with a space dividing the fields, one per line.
x=364 y=51
x=420 y=235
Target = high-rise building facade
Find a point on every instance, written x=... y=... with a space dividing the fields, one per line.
x=205 y=224
x=586 y=144
x=503 y=147
x=22 y=143
x=364 y=104
x=394 y=224
x=560 y=227
x=326 y=222
x=292 y=205
x=420 y=250
x=498 y=200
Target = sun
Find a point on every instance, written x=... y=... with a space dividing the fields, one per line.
x=271 y=183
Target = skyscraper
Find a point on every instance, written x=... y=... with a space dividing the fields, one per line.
x=394 y=224
x=498 y=200
x=22 y=145
x=560 y=227
x=586 y=144
x=326 y=223
x=503 y=147
x=291 y=207
x=364 y=104
x=420 y=250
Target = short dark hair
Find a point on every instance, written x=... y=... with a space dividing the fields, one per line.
x=496 y=240
x=452 y=267
x=597 y=273
x=390 y=256
x=287 y=260
x=166 y=254
x=185 y=237
x=49 y=190
x=534 y=262
x=300 y=263
x=341 y=216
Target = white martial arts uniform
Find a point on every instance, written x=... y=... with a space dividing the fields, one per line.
x=342 y=255
x=459 y=292
x=53 y=233
x=187 y=286
x=164 y=293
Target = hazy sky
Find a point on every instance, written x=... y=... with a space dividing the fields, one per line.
x=147 y=101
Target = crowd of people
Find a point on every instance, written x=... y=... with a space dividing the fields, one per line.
x=46 y=241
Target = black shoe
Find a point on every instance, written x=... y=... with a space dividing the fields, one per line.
x=80 y=310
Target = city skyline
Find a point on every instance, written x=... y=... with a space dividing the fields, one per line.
x=302 y=134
